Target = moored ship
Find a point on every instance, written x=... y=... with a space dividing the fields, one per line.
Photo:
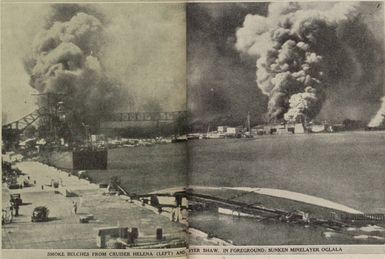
x=89 y=158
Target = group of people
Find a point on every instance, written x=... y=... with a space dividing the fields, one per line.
x=7 y=216
x=15 y=208
x=10 y=212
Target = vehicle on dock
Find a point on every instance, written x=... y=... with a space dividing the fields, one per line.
x=16 y=199
x=40 y=214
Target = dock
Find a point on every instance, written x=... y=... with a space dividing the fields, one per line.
x=63 y=230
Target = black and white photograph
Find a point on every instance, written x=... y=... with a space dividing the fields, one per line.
x=287 y=109
x=93 y=126
x=188 y=129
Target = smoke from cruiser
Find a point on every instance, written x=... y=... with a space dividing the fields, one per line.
x=65 y=63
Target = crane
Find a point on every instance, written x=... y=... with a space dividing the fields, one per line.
x=11 y=131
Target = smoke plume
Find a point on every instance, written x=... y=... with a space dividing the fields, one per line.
x=64 y=66
x=303 y=51
x=379 y=118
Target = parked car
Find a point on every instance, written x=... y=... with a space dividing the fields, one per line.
x=15 y=186
x=40 y=214
x=16 y=199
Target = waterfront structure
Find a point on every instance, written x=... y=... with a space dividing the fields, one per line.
x=222 y=129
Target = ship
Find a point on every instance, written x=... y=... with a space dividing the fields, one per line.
x=91 y=156
x=75 y=158
x=61 y=143
x=89 y=159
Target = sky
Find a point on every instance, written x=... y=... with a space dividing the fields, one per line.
x=144 y=51
x=17 y=95
x=222 y=81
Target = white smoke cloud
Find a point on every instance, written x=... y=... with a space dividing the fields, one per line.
x=300 y=103
x=379 y=117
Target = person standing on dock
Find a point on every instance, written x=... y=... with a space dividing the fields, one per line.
x=16 y=208
x=75 y=207
x=173 y=214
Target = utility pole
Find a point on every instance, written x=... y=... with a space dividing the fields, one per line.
x=87 y=135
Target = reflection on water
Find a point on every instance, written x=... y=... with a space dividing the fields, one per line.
x=247 y=231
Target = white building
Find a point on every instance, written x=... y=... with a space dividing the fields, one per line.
x=222 y=129
x=233 y=130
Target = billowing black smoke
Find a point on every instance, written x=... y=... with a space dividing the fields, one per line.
x=221 y=88
x=304 y=52
x=65 y=67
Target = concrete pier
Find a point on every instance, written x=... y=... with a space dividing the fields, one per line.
x=64 y=230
